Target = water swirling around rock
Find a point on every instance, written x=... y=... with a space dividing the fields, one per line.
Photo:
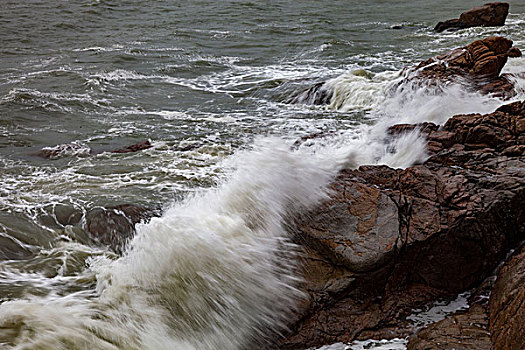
x=202 y=82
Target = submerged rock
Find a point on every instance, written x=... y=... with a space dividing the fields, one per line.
x=82 y=150
x=114 y=226
x=134 y=148
x=390 y=240
x=319 y=94
x=489 y=15
x=65 y=150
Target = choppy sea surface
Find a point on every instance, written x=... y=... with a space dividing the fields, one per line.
x=207 y=83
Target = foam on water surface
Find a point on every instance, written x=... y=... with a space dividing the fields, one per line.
x=217 y=270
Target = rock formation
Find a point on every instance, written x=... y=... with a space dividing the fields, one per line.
x=80 y=150
x=114 y=226
x=476 y=66
x=489 y=15
x=134 y=148
x=507 y=305
x=390 y=240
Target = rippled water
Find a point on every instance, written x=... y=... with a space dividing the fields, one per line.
x=207 y=83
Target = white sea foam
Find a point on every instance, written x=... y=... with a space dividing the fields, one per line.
x=74 y=148
x=213 y=272
x=391 y=344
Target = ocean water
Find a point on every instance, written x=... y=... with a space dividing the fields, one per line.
x=207 y=82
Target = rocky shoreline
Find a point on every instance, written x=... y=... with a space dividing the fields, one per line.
x=389 y=241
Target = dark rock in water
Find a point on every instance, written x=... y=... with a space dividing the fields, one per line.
x=315 y=136
x=477 y=66
x=134 y=148
x=390 y=240
x=489 y=15
x=64 y=150
x=507 y=305
x=80 y=150
x=424 y=128
x=318 y=94
x=114 y=226
x=189 y=147
x=451 y=24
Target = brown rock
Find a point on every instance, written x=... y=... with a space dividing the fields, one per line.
x=357 y=229
x=507 y=305
x=514 y=52
x=489 y=15
x=464 y=331
x=477 y=66
x=134 y=148
x=390 y=240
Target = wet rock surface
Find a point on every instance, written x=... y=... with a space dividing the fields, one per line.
x=115 y=225
x=319 y=94
x=391 y=240
x=466 y=331
x=492 y=14
x=507 y=305
x=81 y=150
x=476 y=66
x=134 y=148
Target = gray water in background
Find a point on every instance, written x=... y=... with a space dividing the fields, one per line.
x=212 y=74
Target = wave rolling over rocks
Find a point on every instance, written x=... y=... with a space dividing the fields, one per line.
x=330 y=234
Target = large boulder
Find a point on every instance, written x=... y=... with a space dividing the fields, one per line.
x=390 y=240
x=507 y=305
x=477 y=66
x=489 y=15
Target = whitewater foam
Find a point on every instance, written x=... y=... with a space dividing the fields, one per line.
x=216 y=271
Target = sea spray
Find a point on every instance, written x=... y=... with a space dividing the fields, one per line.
x=215 y=271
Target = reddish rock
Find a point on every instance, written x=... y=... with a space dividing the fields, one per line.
x=477 y=66
x=358 y=228
x=134 y=148
x=463 y=331
x=390 y=240
x=489 y=15
x=507 y=305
